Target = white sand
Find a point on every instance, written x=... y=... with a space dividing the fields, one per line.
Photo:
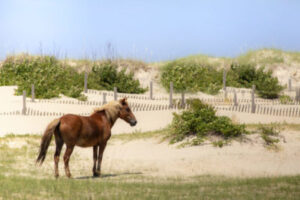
x=150 y=157
x=237 y=159
x=147 y=120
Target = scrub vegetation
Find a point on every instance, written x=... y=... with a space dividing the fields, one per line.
x=52 y=77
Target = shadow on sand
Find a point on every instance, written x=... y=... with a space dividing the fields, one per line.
x=108 y=175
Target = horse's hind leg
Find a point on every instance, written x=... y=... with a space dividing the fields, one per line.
x=59 y=144
x=67 y=156
x=95 y=157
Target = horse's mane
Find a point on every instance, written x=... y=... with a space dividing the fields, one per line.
x=111 y=110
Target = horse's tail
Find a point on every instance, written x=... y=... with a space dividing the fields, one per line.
x=46 y=139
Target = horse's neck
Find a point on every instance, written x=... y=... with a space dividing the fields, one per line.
x=102 y=115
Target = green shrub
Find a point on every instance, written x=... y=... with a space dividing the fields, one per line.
x=267 y=86
x=241 y=75
x=247 y=75
x=45 y=72
x=200 y=121
x=192 y=77
x=106 y=76
x=51 y=78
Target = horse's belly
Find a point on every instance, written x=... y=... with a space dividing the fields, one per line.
x=87 y=141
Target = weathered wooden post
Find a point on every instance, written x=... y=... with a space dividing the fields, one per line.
x=290 y=85
x=224 y=79
x=225 y=94
x=224 y=84
x=182 y=100
x=253 y=99
x=115 y=94
x=297 y=94
x=151 y=90
x=24 y=103
x=235 y=98
x=171 y=95
x=104 y=98
x=85 y=81
x=32 y=93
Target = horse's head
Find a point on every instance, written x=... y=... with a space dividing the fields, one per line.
x=126 y=113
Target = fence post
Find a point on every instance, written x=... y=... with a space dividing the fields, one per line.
x=235 y=98
x=224 y=84
x=297 y=94
x=104 y=98
x=85 y=81
x=115 y=94
x=225 y=94
x=171 y=95
x=182 y=100
x=290 y=84
x=151 y=90
x=32 y=93
x=224 y=79
x=24 y=103
x=253 y=99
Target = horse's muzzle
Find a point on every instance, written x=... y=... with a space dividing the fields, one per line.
x=132 y=122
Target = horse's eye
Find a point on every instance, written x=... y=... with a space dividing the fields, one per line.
x=127 y=109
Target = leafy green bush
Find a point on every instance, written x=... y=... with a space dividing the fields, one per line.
x=106 y=76
x=241 y=75
x=200 y=121
x=45 y=72
x=192 y=77
x=247 y=75
x=51 y=78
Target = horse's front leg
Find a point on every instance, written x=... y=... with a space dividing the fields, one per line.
x=100 y=155
x=95 y=157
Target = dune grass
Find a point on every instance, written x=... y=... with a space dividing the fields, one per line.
x=259 y=57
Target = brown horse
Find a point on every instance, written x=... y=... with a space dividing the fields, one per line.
x=75 y=130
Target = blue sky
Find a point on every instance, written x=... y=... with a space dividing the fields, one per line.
x=149 y=30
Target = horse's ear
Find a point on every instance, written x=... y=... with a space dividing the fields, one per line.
x=123 y=101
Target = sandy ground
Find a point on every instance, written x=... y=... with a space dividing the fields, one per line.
x=147 y=120
x=154 y=158
x=237 y=159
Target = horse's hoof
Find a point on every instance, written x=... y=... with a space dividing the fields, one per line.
x=69 y=175
x=96 y=174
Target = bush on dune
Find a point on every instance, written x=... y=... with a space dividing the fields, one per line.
x=51 y=78
x=45 y=72
x=201 y=121
x=191 y=76
x=106 y=76
x=247 y=75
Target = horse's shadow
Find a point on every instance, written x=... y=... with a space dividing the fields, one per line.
x=109 y=175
